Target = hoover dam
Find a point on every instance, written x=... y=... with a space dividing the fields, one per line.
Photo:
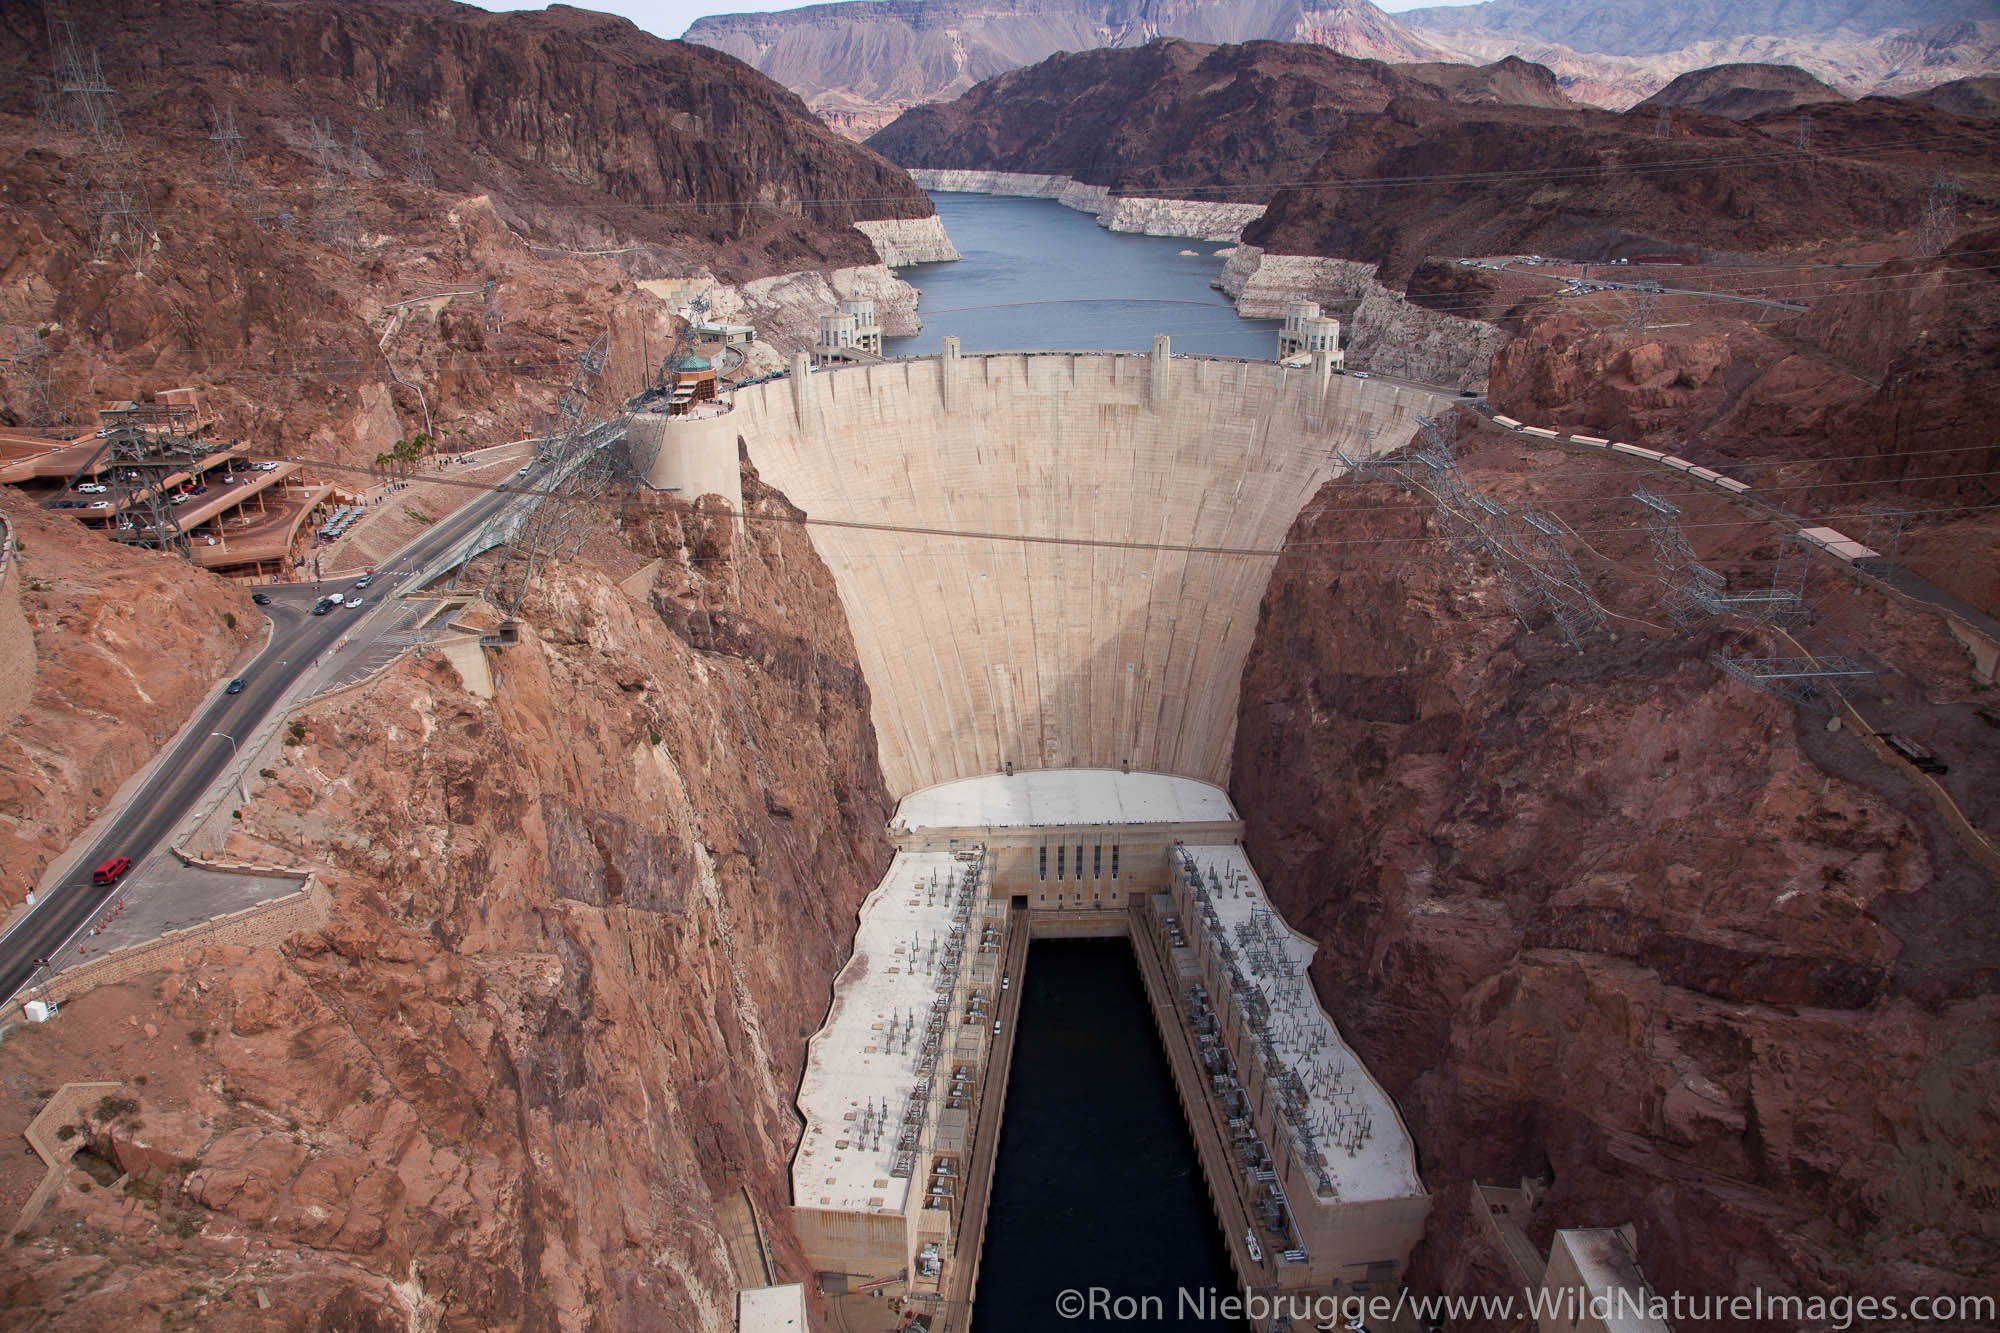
x=1053 y=560
x=1052 y=564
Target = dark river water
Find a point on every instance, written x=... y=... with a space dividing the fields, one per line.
x=1038 y=275
x=1097 y=1183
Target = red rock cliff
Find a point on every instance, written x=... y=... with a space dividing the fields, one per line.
x=1610 y=919
x=580 y=934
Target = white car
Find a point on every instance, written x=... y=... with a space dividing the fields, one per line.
x=1360 y=374
x=355 y=601
x=100 y=504
x=90 y=488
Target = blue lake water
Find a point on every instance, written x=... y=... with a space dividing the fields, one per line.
x=1037 y=275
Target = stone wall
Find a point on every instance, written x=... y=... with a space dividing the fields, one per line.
x=1133 y=506
x=17 y=641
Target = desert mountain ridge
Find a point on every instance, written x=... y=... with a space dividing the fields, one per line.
x=1741 y=91
x=1382 y=166
x=860 y=63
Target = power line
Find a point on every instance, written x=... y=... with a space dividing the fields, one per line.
x=1096 y=543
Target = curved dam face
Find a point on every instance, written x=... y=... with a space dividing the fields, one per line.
x=1098 y=530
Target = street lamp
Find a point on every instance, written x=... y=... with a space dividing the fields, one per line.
x=241 y=790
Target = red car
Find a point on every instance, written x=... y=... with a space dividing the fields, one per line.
x=109 y=872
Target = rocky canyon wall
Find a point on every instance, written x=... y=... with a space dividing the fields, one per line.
x=1196 y=219
x=1614 y=922
x=104 y=679
x=1384 y=333
x=580 y=933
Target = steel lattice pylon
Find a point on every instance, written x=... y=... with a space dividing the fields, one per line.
x=85 y=102
x=1535 y=568
x=1799 y=679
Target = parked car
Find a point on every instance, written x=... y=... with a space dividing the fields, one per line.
x=235 y=686
x=111 y=870
x=199 y=490
x=100 y=504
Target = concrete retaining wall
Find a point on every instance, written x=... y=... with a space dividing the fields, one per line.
x=1092 y=635
x=267 y=923
x=55 y=1153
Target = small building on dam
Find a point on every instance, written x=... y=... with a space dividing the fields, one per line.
x=1052 y=565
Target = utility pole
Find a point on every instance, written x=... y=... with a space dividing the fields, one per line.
x=1802 y=140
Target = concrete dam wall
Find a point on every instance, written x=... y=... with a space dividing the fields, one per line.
x=1055 y=612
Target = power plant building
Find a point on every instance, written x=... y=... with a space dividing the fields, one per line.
x=903 y=1083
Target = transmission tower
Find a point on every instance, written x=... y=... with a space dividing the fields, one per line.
x=31 y=372
x=1535 y=569
x=1940 y=215
x=1802 y=137
x=1639 y=313
x=148 y=453
x=490 y=313
x=230 y=177
x=1885 y=530
x=1695 y=593
x=48 y=112
x=333 y=212
x=1662 y=123
x=420 y=167
x=576 y=467
x=87 y=103
x=1799 y=679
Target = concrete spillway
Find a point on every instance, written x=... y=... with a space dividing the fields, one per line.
x=1088 y=631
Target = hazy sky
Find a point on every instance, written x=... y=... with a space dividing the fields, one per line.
x=670 y=18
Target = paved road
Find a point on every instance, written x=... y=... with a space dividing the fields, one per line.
x=185 y=775
x=1615 y=284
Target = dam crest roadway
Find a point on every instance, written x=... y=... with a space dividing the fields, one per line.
x=1091 y=643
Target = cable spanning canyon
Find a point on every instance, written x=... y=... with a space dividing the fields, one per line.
x=987 y=657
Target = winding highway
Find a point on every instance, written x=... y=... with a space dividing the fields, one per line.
x=187 y=772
